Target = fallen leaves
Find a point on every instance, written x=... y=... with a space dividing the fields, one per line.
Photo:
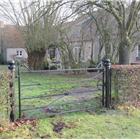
x=18 y=123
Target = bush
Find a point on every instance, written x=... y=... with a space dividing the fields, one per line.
x=3 y=95
x=126 y=82
x=53 y=67
x=92 y=65
x=46 y=64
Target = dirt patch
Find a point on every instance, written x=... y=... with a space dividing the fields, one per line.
x=59 y=126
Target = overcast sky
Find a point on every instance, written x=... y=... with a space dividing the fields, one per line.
x=65 y=10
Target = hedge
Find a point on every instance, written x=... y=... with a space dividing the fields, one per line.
x=126 y=82
x=4 y=105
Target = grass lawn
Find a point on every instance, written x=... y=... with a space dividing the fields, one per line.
x=98 y=123
x=45 y=85
x=111 y=124
x=3 y=67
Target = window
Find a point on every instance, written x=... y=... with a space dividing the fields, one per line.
x=52 y=53
x=76 y=51
x=17 y=52
x=83 y=54
x=20 y=53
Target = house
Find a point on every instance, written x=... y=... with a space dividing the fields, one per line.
x=80 y=33
x=12 y=43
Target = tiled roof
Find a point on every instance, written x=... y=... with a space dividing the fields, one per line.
x=12 y=38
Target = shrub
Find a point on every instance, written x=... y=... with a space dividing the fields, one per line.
x=53 y=67
x=46 y=64
x=92 y=65
x=126 y=82
x=3 y=95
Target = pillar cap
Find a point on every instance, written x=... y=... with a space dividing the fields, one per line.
x=11 y=65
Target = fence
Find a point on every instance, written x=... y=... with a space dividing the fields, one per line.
x=82 y=93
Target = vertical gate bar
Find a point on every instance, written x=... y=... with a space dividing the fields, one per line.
x=110 y=84
x=106 y=96
x=19 y=90
x=103 y=88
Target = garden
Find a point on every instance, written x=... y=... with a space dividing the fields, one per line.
x=42 y=102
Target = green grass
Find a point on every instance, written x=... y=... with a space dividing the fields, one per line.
x=3 y=67
x=99 y=123
x=34 y=85
x=111 y=124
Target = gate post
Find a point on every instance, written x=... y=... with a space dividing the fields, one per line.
x=11 y=67
x=107 y=86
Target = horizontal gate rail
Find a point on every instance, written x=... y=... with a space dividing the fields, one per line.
x=55 y=95
x=63 y=70
x=86 y=79
x=32 y=84
x=47 y=106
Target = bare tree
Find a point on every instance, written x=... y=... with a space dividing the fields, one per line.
x=37 y=21
x=126 y=15
x=71 y=54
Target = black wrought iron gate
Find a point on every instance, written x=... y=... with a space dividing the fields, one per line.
x=62 y=91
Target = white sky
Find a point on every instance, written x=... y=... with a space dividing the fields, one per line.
x=65 y=10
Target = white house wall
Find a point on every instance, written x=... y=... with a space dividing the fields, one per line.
x=11 y=53
x=87 y=49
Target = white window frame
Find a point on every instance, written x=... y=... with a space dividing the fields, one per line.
x=17 y=53
x=82 y=53
x=20 y=52
x=76 y=56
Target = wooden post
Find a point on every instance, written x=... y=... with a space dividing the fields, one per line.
x=11 y=67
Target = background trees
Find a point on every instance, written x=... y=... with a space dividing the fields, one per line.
x=37 y=20
x=126 y=15
x=116 y=24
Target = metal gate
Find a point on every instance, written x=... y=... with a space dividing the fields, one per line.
x=52 y=92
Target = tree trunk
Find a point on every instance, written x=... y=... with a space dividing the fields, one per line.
x=124 y=47
x=36 y=58
x=124 y=55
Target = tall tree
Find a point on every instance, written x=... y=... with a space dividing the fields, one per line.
x=126 y=15
x=37 y=21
